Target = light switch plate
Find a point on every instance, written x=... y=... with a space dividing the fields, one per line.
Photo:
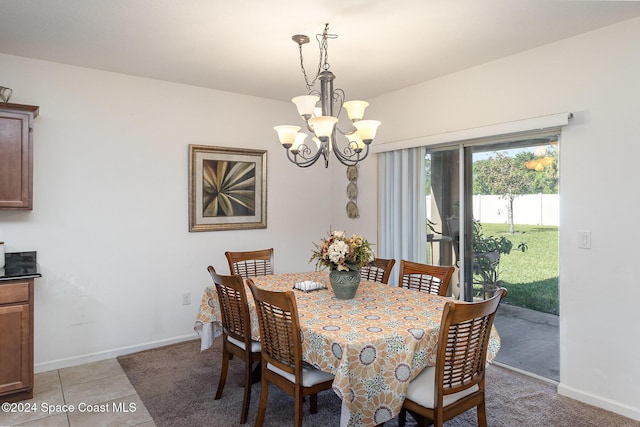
x=584 y=239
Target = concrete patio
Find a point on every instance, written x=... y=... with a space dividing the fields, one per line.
x=530 y=341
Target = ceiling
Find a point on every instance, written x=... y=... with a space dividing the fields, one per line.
x=245 y=46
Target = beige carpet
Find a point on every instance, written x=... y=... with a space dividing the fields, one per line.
x=177 y=384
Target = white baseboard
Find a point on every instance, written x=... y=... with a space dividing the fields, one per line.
x=108 y=354
x=600 y=402
x=527 y=373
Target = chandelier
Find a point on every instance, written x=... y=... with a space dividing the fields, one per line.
x=322 y=122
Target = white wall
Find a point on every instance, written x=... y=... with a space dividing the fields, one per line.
x=595 y=76
x=110 y=216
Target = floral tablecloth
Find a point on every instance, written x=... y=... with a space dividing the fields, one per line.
x=374 y=344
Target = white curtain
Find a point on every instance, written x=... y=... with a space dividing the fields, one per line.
x=402 y=207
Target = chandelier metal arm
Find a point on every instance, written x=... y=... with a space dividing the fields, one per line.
x=303 y=153
x=349 y=156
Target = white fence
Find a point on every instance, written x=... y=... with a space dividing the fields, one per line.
x=530 y=209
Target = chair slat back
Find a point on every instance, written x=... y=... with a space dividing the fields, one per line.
x=465 y=332
x=279 y=328
x=234 y=308
x=433 y=279
x=378 y=271
x=251 y=263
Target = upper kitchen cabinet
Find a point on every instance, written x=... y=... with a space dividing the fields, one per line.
x=16 y=155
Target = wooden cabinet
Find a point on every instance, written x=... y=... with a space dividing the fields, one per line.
x=16 y=340
x=16 y=155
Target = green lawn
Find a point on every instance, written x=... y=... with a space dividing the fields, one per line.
x=531 y=277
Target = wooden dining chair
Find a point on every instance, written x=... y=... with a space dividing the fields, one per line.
x=282 y=363
x=433 y=279
x=456 y=383
x=236 y=332
x=250 y=263
x=378 y=271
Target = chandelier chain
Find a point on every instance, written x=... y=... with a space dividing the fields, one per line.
x=323 y=61
x=304 y=72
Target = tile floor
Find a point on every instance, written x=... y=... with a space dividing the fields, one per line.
x=99 y=393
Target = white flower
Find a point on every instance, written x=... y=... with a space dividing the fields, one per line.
x=337 y=251
x=343 y=253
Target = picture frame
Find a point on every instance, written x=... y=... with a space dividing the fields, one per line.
x=227 y=188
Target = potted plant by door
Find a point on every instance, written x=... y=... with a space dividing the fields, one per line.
x=486 y=258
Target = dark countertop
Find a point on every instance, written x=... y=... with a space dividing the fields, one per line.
x=19 y=265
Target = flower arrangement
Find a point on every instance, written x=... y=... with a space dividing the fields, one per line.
x=342 y=253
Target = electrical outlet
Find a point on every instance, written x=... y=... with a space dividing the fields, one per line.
x=186 y=298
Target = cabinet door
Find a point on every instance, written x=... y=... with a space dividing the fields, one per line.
x=15 y=354
x=16 y=156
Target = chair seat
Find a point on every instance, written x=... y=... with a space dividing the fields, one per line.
x=310 y=375
x=422 y=390
x=255 y=345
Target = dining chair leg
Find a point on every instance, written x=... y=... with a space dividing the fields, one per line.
x=402 y=417
x=298 y=411
x=256 y=373
x=262 y=407
x=482 y=414
x=313 y=403
x=247 y=390
x=223 y=371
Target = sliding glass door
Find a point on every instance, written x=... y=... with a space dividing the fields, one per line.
x=492 y=210
x=477 y=195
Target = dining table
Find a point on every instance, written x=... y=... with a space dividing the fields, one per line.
x=374 y=344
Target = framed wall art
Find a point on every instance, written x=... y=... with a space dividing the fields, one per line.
x=227 y=188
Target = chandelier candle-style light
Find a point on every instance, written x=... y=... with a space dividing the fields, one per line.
x=322 y=122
